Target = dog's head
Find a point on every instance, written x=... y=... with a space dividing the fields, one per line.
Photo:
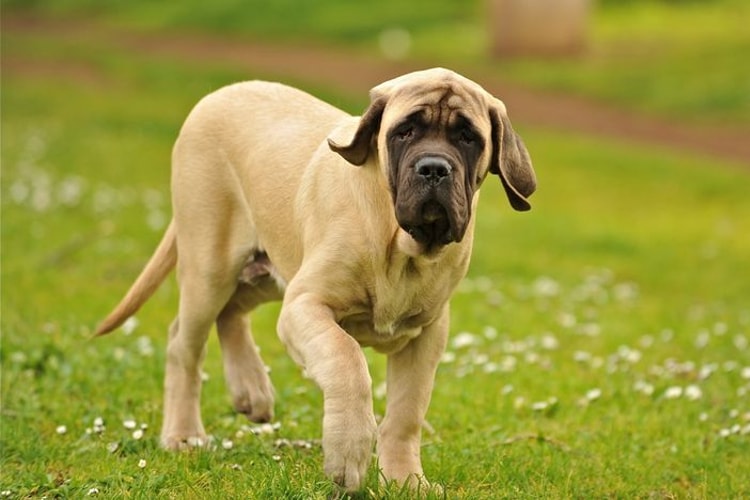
x=437 y=135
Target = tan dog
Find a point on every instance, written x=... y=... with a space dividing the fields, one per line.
x=268 y=205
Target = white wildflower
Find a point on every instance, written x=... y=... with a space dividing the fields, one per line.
x=138 y=434
x=93 y=492
x=145 y=347
x=566 y=320
x=61 y=429
x=740 y=342
x=142 y=463
x=276 y=458
x=380 y=391
x=745 y=373
x=545 y=286
x=448 y=357
x=490 y=332
x=130 y=325
x=582 y=356
x=464 y=339
x=195 y=442
x=593 y=394
x=549 y=342
x=703 y=417
x=113 y=446
x=643 y=387
x=693 y=392
x=129 y=424
x=227 y=444
x=702 y=339
x=673 y=392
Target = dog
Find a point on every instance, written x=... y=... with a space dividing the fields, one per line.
x=362 y=226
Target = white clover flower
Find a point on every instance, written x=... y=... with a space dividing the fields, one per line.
x=566 y=320
x=693 y=392
x=142 y=463
x=145 y=347
x=61 y=429
x=491 y=368
x=138 y=434
x=129 y=424
x=593 y=394
x=448 y=357
x=545 y=286
x=113 y=446
x=489 y=332
x=130 y=325
x=195 y=442
x=582 y=356
x=93 y=492
x=740 y=342
x=227 y=444
x=539 y=405
x=745 y=373
x=464 y=339
x=703 y=417
x=673 y=392
x=550 y=342
x=380 y=391
x=276 y=458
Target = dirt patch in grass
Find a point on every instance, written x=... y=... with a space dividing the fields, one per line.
x=355 y=73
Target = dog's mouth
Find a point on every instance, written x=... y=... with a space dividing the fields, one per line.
x=432 y=227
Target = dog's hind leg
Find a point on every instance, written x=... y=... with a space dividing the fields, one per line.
x=246 y=375
x=201 y=300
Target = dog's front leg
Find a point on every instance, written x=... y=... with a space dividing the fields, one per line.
x=334 y=360
x=410 y=377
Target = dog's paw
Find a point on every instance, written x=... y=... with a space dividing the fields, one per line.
x=182 y=442
x=347 y=450
x=253 y=397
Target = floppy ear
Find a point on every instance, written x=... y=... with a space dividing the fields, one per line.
x=510 y=160
x=363 y=141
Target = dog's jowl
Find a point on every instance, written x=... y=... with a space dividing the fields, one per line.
x=362 y=226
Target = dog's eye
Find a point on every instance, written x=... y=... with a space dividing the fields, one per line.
x=466 y=136
x=405 y=133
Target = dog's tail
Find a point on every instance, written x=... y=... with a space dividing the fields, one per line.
x=158 y=267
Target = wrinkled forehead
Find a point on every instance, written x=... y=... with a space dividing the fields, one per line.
x=438 y=101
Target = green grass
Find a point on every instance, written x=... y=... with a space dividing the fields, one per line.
x=680 y=59
x=629 y=277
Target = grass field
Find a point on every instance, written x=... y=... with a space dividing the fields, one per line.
x=681 y=58
x=600 y=345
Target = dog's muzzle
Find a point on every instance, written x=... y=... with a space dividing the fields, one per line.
x=429 y=220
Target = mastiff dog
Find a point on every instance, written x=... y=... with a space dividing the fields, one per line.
x=362 y=226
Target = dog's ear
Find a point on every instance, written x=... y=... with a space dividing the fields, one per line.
x=510 y=159
x=364 y=140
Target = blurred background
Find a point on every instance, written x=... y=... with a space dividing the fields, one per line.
x=637 y=117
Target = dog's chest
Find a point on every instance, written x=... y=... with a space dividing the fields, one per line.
x=395 y=311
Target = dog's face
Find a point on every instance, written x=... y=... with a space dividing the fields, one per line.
x=436 y=135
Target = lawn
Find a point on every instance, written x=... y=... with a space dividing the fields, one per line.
x=600 y=344
x=684 y=58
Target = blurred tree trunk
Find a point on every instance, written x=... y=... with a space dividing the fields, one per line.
x=540 y=27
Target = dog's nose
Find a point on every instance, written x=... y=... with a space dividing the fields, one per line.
x=433 y=169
